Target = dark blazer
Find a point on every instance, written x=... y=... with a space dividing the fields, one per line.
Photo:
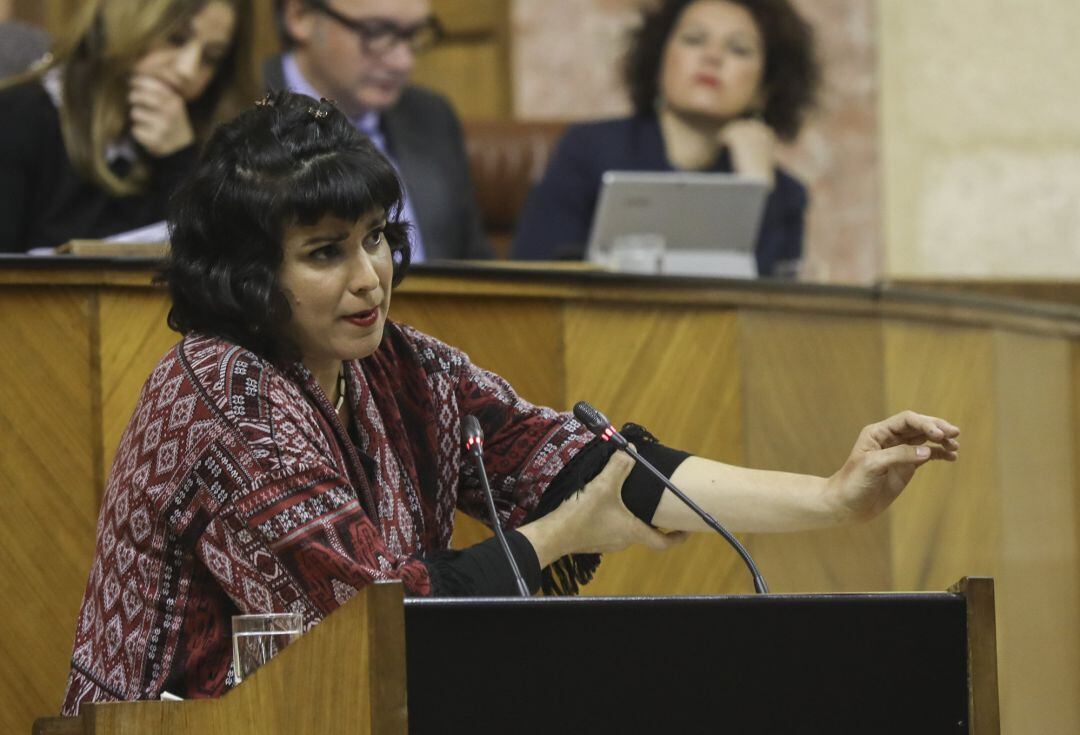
x=557 y=217
x=424 y=138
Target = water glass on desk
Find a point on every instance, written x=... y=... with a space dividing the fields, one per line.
x=638 y=253
x=258 y=638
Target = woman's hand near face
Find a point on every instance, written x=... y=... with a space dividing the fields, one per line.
x=159 y=117
x=752 y=145
x=595 y=520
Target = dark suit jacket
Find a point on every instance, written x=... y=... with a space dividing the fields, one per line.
x=424 y=138
x=557 y=217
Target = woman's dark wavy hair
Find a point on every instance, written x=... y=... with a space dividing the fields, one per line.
x=792 y=74
x=290 y=160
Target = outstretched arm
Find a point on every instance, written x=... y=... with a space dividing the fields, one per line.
x=881 y=464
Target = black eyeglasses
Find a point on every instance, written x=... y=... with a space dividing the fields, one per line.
x=379 y=36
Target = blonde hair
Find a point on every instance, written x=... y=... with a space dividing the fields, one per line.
x=95 y=58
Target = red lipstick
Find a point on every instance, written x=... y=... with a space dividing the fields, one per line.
x=363 y=318
x=708 y=80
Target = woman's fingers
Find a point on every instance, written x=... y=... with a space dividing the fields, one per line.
x=616 y=471
x=150 y=92
x=910 y=427
x=905 y=457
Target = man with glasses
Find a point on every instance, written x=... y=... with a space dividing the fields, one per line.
x=361 y=53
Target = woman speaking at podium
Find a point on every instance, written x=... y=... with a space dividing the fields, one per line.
x=297 y=445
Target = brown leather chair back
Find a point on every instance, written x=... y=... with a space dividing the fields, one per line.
x=506 y=157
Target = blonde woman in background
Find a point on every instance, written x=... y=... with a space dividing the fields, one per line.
x=93 y=143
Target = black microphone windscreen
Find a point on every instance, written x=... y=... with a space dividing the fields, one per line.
x=470 y=429
x=593 y=420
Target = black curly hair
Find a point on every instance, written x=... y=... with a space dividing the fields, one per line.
x=290 y=160
x=792 y=74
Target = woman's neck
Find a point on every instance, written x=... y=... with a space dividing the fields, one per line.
x=326 y=375
x=691 y=144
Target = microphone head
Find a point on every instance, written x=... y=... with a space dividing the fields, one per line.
x=472 y=436
x=592 y=419
x=598 y=424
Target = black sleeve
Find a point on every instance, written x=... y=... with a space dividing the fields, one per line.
x=482 y=570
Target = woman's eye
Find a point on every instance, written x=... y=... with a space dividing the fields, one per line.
x=374 y=239
x=693 y=39
x=177 y=39
x=326 y=252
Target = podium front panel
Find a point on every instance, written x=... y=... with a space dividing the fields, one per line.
x=776 y=664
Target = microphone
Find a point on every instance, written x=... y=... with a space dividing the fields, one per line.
x=472 y=437
x=598 y=424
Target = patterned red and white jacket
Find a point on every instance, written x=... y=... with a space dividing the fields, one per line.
x=236 y=489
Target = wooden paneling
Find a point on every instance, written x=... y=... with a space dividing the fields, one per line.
x=811 y=383
x=47 y=503
x=952 y=519
x=676 y=372
x=334 y=680
x=984 y=710
x=745 y=373
x=508 y=336
x=1029 y=289
x=1038 y=585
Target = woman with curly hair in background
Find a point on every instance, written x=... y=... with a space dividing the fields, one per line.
x=715 y=84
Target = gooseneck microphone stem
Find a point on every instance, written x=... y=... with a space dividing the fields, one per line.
x=473 y=438
x=597 y=423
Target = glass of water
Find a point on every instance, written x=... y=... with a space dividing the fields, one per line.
x=638 y=253
x=257 y=639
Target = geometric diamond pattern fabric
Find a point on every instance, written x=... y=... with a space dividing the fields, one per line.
x=236 y=488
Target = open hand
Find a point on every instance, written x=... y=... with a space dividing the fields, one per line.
x=159 y=117
x=884 y=459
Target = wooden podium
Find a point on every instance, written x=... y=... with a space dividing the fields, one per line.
x=881 y=663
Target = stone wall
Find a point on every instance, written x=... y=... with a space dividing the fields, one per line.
x=981 y=137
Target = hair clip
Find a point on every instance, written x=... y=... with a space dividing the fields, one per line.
x=265 y=101
x=317 y=113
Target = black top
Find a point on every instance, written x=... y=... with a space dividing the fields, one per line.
x=44 y=202
x=558 y=215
